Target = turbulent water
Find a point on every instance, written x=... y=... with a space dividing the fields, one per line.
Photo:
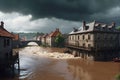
x=38 y=63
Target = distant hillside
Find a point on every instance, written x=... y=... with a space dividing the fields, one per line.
x=29 y=36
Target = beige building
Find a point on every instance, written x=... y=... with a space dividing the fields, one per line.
x=50 y=39
x=95 y=36
x=43 y=39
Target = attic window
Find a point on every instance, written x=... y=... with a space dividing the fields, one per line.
x=103 y=27
x=75 y=30
x=86 y=27
x=110 y=28
x=97 y=27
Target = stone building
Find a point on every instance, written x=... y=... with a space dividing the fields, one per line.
x=98 y=39
x=7 y=58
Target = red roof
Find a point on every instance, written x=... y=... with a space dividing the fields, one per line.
x=16 y=36
x=5 y=33
x=50 y=34
x=55 y=33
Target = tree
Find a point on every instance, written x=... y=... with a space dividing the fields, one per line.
x=118 y=28
x=59 y=40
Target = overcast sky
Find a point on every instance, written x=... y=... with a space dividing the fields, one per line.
x=47 y=15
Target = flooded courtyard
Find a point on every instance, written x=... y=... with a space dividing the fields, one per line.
x=39 y=63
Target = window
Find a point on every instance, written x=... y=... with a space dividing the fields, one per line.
x=103 y=27
x=83 y=37
x=78 y=37
x=89 y=37
x=69 y=37
x=8 y=42
x=5 y=43
x=83 y=44
x=72 y=37
x=89 y=45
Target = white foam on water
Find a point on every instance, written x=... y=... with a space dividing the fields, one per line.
x=39 y=51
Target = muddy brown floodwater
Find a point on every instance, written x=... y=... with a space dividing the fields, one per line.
x=38 y=63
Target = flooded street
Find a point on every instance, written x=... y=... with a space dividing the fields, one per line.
x=38 y=63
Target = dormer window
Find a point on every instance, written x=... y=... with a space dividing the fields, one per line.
x=75 y=29
x=110 y=29
x=104 y=27
x=86 y=27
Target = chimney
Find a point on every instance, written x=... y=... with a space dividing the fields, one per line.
x=2 y=24
x=84 y=25
x=113 y=24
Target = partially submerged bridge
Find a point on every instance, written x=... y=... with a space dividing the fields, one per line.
x=25 y=43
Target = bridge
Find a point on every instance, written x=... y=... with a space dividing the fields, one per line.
x=25 y=43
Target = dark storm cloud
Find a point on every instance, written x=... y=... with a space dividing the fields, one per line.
x=65 y=9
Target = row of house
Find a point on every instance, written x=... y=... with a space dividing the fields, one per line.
x=7 y=58
x=49 y=39
x=95 y=39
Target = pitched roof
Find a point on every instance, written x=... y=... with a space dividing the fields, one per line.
x=49 y=35
x=55 y=33
x=5 y=33
x=45 y=35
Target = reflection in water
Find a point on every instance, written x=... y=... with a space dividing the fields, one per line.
x=83 y=70
x=79 y=73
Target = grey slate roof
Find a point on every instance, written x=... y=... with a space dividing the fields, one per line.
x=95 y=26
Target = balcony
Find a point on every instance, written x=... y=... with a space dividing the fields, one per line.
x=76 y=46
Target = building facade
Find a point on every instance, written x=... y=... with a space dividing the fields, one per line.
x=43 y=39
x=50 y=40
x=7 y=58
x=96 y=37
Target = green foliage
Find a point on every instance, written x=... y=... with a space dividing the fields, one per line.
x=117 y=77
x=59 y=40
x=118 y=28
